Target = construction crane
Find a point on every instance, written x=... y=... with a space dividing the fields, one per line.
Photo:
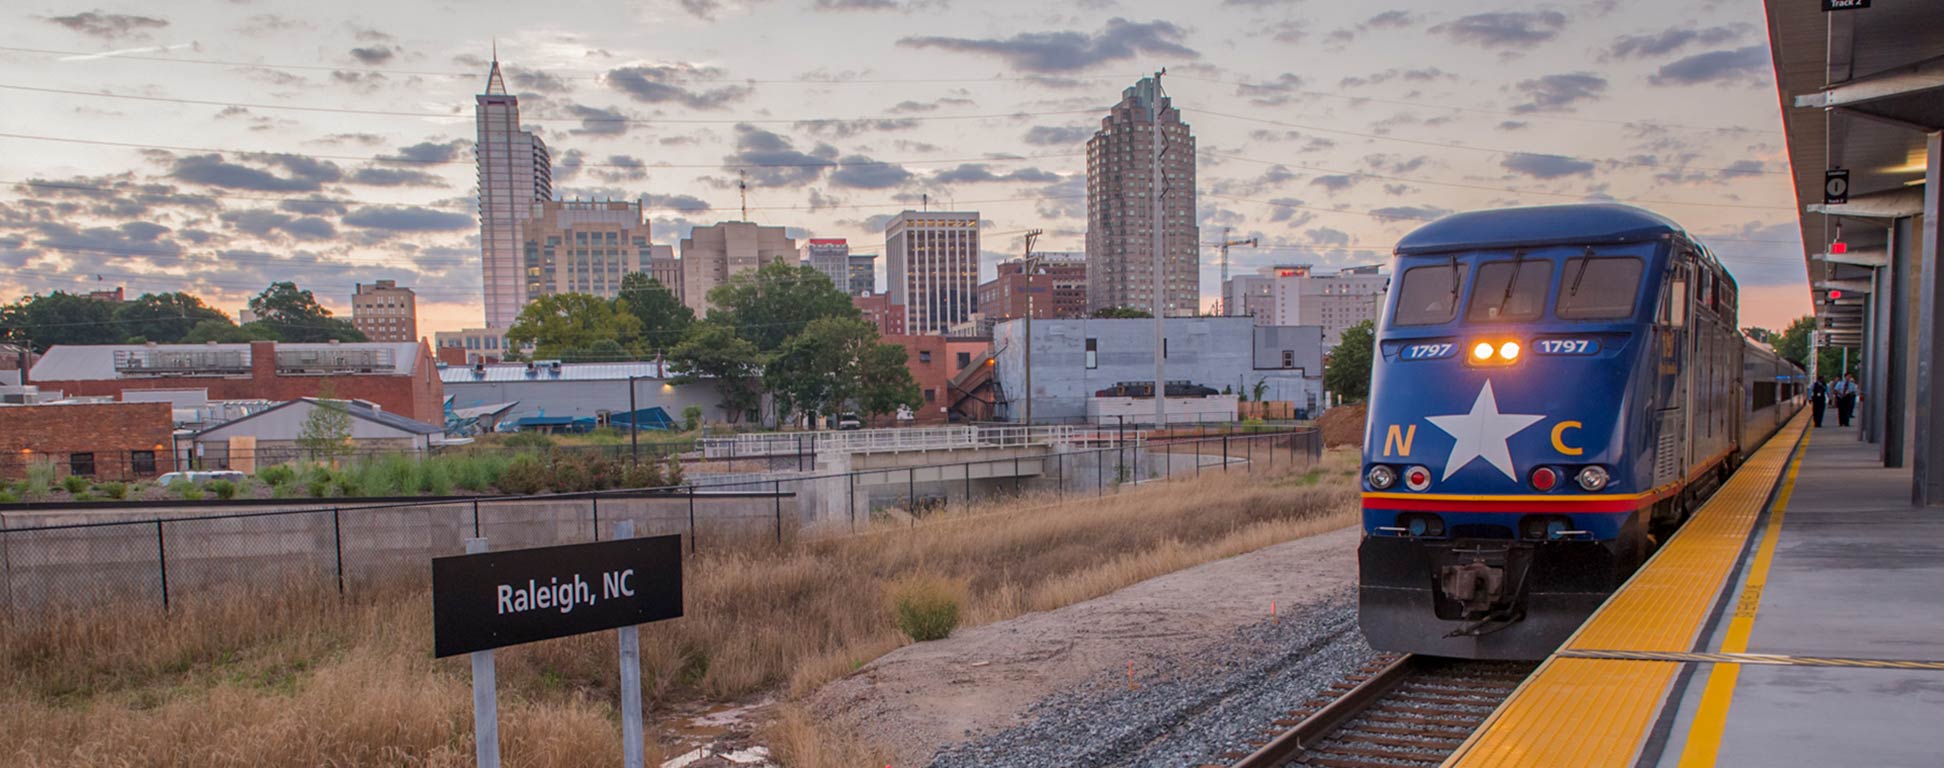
x=1222 y=257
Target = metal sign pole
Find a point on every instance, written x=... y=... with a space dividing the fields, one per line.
x=630 y=636
x=485 y=694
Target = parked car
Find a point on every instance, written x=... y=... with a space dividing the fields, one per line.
x=201 y=476
x=849 y=421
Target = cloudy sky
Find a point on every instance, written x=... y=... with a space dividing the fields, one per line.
x=216 y=146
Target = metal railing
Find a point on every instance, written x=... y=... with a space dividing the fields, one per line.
x=97 y=555
x=902 y=439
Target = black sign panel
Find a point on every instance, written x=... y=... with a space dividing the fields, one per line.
x=1836 y=187
x=496 y=599
x=1844 y=5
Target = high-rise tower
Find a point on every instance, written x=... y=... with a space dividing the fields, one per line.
x=515 y=174
x=931 y=261
x=1120 y=205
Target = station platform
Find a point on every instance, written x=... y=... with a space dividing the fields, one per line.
x=1796 y=619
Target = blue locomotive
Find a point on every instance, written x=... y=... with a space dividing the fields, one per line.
x=1555 y=389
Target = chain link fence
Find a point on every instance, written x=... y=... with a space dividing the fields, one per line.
x=159 y=553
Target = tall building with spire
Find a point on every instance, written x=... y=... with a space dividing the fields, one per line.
x=1120 y=207
x=515 y=177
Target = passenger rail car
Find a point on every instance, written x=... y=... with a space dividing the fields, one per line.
x=1554 y=389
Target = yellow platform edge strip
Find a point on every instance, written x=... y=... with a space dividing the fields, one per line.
x=1551 y=719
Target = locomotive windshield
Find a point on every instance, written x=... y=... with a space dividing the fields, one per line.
x=1599 y=288
x=1428 y=295
x=1509 y=291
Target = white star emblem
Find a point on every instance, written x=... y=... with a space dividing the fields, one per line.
x=1482 y=434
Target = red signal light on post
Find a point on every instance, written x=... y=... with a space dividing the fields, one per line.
x=1835 y=294
x=1839 y=247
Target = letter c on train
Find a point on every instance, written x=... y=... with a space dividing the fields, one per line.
x=1559 y=438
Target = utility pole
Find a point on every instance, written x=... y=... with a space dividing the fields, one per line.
x=1028 y=267
x=742 y=187
x=1223 y=257
x=1156 y=191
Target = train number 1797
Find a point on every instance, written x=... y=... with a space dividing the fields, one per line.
x=1426 y=351
x=1566 y=346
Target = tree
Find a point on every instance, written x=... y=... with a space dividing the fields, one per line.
x=770 y=304
x=326 y=434
x=1347 y=374
x=295 y=315
x=165 y=318
x=569 y=322
x=665 y=320
x=1120 y=313
x=225 y=332
x=1793 y=345
x=712 y=353
x=884 y=383
x=59 y=318
x=836 y=364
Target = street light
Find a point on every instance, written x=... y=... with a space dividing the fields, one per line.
x=634 y=420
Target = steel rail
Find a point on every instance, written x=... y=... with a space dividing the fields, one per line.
x=1320 y=724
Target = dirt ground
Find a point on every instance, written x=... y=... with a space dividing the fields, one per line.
x=925 y=696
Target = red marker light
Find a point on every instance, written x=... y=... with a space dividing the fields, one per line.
x=1543 y=479
x=1839 y=247
x=1835 y=294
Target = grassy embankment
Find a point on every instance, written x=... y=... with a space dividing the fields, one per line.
x=286 y=678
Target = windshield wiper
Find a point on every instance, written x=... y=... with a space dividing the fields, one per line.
x=1581 y=271
x=1451 y=263
x=1518 y=257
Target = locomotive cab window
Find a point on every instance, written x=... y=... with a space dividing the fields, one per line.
x=1599 y=288
x=1509 y=290
x=1428 y=295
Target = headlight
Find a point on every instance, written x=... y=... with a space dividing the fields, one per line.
x=1509 y=350
x=1483 y=350
x=1381 y=477
x=1592 y=478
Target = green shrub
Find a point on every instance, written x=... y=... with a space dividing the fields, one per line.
x=476 y=472
x=927 y=607
x=283 y=490
x=434 y=478
x=603 y=473
x=277 y=475
x=74 y=483
x=188 y=491
x=528 y=440
x=646 y=474
x=569 y=476
x=318 y=488
x=691 y=418
x=672 y=473
x=393 y=475
x=112 y=490
x=40 y=479
x=223 y=489
x=526 y=475
x=348 y=484
x=7 y=496
x=83 y=496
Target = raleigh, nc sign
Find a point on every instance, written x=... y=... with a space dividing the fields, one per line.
x=496 y=599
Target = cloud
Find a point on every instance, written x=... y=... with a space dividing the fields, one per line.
x=1274 y=93
x=975 y=173
x=272 y=225
x=1552 y=93
x=1500 y=29
x=314 y=205
x=433 y=152
x=1063 y=52
x=302 y=174
x=862 y=172
x=1746 y=64
x=1335 y=182
x=408 y=218
x=910 y=107
x=665 y=84
x=1328 y=236
x=1423 y=75
x=773 y=160
x=1058 y=135
x=109 y=26
x=844 y=129
x=597 y=121
x=1409 y=213
x=1669 y=41
x=536 y=80
x=374 y=55
x=702 y=9
x=619 y=168
x=680 y=203
x=1290 y=31
x=395 y=177
x=1391 y=20
x=875 y=5
x=1546 y=166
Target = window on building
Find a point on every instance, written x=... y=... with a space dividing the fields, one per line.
x=1289 y=358
x=931 y=395
x=924 y=356
x=81 y=464
x=1093 y=354
x=964 y=359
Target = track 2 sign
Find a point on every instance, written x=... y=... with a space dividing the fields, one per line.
x=495 y=599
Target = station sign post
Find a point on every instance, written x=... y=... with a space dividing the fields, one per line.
x=485 y=600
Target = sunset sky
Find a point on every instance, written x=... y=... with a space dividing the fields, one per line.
x=218 y=146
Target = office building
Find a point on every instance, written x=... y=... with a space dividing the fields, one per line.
x=1120 y=207
x=665 y=268
x=877 y=309
x=487 y=345
x=1054 y=284
x=1250 y=296
x=382 y=311
x=862 y=273
x=830 y=257
x=1335 y=302
x=515 y=173
x=576 y=246
x=931 y=261
x=710 y=255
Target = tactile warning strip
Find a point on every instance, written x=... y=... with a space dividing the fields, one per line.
x=1597 y=711
x=1756 y=658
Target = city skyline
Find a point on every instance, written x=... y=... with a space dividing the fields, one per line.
x=1326 y=131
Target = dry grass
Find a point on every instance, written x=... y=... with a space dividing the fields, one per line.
x=313 y=678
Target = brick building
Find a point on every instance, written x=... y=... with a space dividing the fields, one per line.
x=933 y=361
x=879 y=311
x=1056 y=283
x=382 y=311
x=108 y=441
x=400 y=377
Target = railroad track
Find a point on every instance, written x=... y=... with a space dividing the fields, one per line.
x=1395 y=711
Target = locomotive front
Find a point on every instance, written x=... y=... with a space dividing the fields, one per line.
x=1503 y=464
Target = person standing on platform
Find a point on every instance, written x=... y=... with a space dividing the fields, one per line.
x=1818 y=401
x=1845 y=391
